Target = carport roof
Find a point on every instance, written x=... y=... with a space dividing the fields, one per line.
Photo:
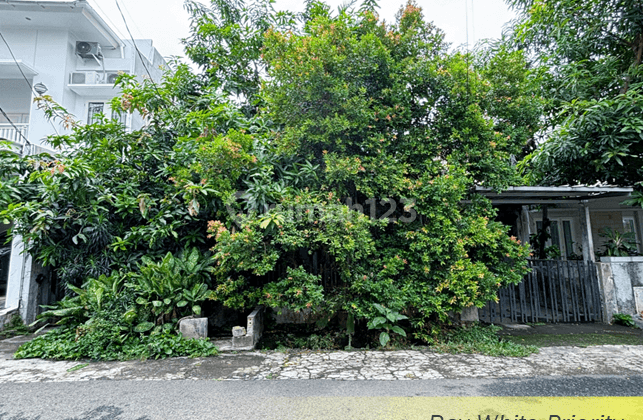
x=552 y=195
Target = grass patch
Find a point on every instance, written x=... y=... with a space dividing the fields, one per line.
x=14 y=328
x=578 y=340
x=483 y=340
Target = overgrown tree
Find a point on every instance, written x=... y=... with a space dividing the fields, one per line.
x=592 y=51
x=384 y=112
x=313 y=114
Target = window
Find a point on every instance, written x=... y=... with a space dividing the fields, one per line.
x=630 y=226
x=561 y=236
x=94 y=109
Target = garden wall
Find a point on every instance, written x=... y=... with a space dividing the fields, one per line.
x=621 y=283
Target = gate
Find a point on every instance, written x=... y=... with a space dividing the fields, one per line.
x=554 y=291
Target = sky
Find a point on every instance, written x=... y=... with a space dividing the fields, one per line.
x=166 y=21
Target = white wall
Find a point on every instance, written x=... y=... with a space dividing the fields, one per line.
x=15 y=96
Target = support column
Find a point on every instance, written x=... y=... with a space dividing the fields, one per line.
x=525 y=225
x=16 y=273
x=586 y=231
x=22 y=289
x=638 y=230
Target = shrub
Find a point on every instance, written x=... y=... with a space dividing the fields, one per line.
x=100 y=340
x=624 y=319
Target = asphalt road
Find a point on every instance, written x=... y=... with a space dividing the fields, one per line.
x=309 y=399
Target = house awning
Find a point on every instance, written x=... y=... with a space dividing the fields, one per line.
x=10 y=69
x=552 y=195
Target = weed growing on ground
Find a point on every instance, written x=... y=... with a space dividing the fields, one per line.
x=577 y=340
x=14 y=327
x=105 y=342
x=623 y=319
x=479 y=339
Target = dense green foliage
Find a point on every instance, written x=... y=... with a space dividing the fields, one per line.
x=624 y=319
x=386 y=112
x=592 y=52
x=618 y=244
x=154 y=298
x=387 y=321
x=104 y=341
x=315 y=147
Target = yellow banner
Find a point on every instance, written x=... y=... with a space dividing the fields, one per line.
x=462 y=408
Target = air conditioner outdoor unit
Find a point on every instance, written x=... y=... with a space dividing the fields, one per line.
x=85 y=78
x=110 y=77
x=88 y=49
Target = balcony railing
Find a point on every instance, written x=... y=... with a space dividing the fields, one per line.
x=16 y=134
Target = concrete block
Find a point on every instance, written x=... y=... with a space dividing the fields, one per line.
x=243 y=341
x=6 y=315
x=638 y=299
x=469 y=315
x=287 y=316
x=248 y=338
x=606 y=283
x=255 y=324
x=238 y=331
x=194 y=327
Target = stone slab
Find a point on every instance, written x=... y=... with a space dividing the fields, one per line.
x=517 y=326
x=238 y=331
x=194 y=327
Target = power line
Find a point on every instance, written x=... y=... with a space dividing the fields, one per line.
x=106 y=16
x=25 y=77
x=14 y=126
x=131 y=19
x=140 y=55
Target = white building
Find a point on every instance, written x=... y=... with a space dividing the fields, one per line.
x=66 y=48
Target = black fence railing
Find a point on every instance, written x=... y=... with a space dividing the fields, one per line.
x=554 y=291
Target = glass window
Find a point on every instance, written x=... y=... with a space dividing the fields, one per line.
x=569 y=241
x=630 y=226
x=555 y=234
x=93 y=109
x=560 y=236
x=96 y=108
x=121 y=117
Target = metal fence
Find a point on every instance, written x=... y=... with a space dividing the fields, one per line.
x=554 y=291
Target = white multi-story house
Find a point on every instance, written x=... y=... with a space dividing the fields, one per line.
x=66 y=50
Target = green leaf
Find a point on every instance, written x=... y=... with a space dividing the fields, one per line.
x=182 y=303
x=384 y=338
x=141 y=301
x=129 y=316
x=376 y=322
x=144 y=327
x=380 y=308
x=77 y=367
x=398 y=330
x=196 y=309
x=167 y=301
x=157 y=303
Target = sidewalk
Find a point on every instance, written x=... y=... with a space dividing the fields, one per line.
x=350 y=365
